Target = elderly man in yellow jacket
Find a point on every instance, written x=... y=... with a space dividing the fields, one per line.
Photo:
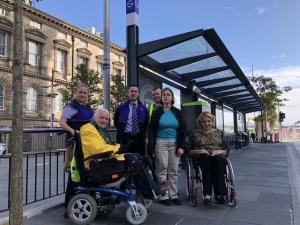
x=96 y=139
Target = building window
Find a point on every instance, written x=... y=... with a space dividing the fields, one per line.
x=83 y=43
x=83 y=60
x=59 y=105
x=3 y=44
x=34 y=50
x=61 y=61
x=117 y=72
x=62 y=35
x=100 y=68
x=36 y=24
x=1 y=97
x=31 y=100
x=4 y=12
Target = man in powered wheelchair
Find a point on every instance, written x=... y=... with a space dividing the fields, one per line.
x=208 y=165
x=105 y=177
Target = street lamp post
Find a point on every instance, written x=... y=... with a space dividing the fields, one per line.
x=106 y=50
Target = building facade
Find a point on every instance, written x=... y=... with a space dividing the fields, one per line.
x=53 y=48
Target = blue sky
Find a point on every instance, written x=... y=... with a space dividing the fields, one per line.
x=262 y=33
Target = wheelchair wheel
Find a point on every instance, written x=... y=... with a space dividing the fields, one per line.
x=82 y=209
x=191 y=184
x=136 y=219
x=231 y=193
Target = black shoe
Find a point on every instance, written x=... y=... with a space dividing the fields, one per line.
x=176 y=201
x=220 y=200
x=166 y=202
x=66 y=216
x=207 y=201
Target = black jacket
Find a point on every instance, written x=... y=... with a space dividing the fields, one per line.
x=153 y=128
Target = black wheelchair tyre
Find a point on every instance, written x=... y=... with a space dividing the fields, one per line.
x=82 y=209
x=231 y=193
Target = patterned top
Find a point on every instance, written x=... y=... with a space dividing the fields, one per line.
x=211 y=141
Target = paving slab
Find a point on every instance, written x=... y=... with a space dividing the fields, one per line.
x=264 y=196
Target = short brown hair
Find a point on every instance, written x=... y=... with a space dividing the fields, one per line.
x=205 y=114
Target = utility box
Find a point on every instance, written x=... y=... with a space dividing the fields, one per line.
x=191 y=111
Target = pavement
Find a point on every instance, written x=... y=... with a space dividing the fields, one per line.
x=268 y=192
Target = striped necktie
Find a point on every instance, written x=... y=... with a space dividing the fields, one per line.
x=135 y=128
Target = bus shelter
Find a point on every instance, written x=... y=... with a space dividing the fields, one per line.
x=200 y=67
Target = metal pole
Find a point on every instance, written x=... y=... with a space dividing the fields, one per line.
x=132 y=34
x=52 y=114
x=52 y=96
x=106 y=64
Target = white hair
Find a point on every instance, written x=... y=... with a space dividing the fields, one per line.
x=99 y=110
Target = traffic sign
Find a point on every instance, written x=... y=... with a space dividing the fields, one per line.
x=132 y=6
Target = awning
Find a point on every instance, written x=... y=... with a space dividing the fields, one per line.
x=200 y=58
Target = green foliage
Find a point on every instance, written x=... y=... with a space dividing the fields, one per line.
x=271 y=95
x=117 y=91
x=89 y=77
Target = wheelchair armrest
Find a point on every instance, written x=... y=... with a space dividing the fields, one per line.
x=103 y=155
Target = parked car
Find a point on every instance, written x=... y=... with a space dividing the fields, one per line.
x=2 y=148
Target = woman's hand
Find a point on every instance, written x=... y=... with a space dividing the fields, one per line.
x=180 y=152
x=218 y=152
x=198 y=152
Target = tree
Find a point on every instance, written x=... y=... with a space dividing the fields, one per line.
x=117 y=91
x=89 y=77
x=271 y=96
x=16 y=143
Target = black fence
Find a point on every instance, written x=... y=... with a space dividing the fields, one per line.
x=43 y=174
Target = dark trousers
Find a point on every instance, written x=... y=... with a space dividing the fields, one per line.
x=70 y=190
x=213 y=170
x=137 y=143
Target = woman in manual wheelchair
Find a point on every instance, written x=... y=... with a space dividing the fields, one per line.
x=106 y=177
x=208 y=165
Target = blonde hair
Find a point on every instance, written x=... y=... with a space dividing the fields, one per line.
x=80 y=85
x=205 y=114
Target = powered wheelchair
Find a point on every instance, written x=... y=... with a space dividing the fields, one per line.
x=107 y=183
x=194 y=183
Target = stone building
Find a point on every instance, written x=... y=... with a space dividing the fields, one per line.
x=53 y=48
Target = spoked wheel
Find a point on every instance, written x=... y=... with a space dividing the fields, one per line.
x=141 y=216
x=231 y=197
x=231 y=193
x=82 y=209
x=193 y=199
x=193 y=183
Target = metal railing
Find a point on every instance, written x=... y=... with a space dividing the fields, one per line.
x=43 y=174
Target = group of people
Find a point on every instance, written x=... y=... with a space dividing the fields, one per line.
x=156 y=130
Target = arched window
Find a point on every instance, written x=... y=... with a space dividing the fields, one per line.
x=31 y=100
x=59 y=105
x=2 y=95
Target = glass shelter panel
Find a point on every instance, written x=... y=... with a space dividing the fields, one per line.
x=194 y=47
x=228 y=121
x=210 y=63
x=240 y=121
x=219 y=117
x=223 y=74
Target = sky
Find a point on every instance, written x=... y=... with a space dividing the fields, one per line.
x=259 y=33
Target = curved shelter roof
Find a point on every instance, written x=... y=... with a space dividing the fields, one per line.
x=200 y=58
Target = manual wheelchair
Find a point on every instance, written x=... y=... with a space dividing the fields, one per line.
x=104 y=185
x=194 y=183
